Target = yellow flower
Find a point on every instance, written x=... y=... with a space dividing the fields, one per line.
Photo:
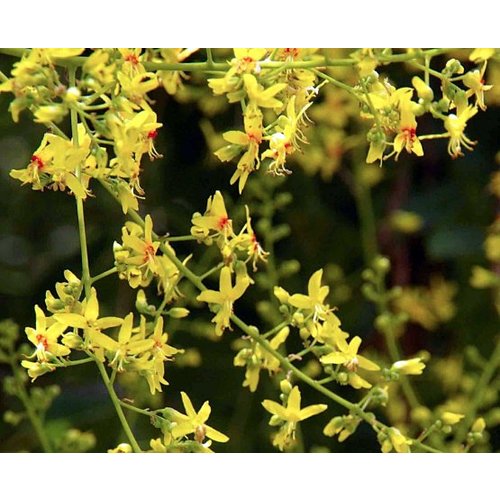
x=397 y=441
x=257 y=358
x=54 y=164
x=264 y=98
x=44 y=337
x=225 y=297
x=314 y=300
x=475 y=81
x=248 y=141
x=455 y=125
x=88 y=320
x=214 y=222
x=407 y=135
x=194 y=423
x=288 y=416
x=348 y=356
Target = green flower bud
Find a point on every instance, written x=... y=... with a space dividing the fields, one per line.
x=453 y=66
x=382 y=264
x=178 y=312
x=13 y=418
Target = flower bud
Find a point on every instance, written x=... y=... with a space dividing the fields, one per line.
x=450 y=418
x=72 y=94
x=12 y=418
x=423 y=90
x=479 y=425
x=178 y=312
x=121 y=448
x=409 y=367
x=285 y=386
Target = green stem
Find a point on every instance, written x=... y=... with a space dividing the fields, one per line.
x=481 y=386
x=79 y=202
x=117 y=404
x=33 y=416
x=210 y=58
x=142 y=411
x=275 y=329
x=76 y=362
x=337 y=83
x=187 y=237
x=211 y=271
x=109 y=272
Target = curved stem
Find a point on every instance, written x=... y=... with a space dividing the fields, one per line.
x=116 y=403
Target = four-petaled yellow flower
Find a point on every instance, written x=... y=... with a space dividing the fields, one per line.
x=44 y=337
x=88 y=320
x=313 y=301
x=194 y=422
x=225 y=297
x=288 y=416
x=455 y=125
x=215 y=221
x=348 y=356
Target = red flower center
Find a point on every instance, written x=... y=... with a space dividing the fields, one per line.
x=254 y=138
x=152 y=135
x=132 y=59
x=39 y=162
x=223 y=222
x=41 y=339
x=410 y=134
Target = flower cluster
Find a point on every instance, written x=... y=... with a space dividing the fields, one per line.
x=287 y=94
x=138 y=261
x=216 y=226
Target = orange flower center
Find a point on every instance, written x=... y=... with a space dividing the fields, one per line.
x=41 y=339
x=132 y=59
x=149 y=253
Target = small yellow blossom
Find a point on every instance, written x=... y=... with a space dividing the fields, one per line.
x=450 y=418
x=288 y=416
x=314 y=300
x=194 y=423
x=455 y=125
x=225 y=298
x=45 y=335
